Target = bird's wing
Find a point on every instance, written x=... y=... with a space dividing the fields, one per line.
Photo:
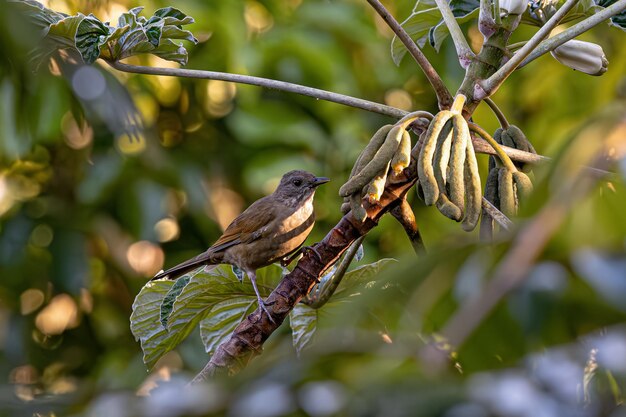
x=247 y=227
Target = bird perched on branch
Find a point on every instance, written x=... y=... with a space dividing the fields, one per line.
x=272 y=228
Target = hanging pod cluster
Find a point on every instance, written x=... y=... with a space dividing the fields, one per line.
x=447 y=169
x=507 y=182
x=390 y=147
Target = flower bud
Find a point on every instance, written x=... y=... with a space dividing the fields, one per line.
x=516 y=7
x=582 y=56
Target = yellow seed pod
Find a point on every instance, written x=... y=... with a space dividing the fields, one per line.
x=442 y=156
x=425 y=169
x=380 y=160
x=402 y=157
x=523 y=184
x=448 y=208
x=376 y=187
x=474 y=193
x=506 y=192
x=356 y=206
x=370 y=150
x=456 y=166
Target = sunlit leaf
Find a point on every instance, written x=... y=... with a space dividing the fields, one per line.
x=222 y=319
x=145 y=322
x=360 y=277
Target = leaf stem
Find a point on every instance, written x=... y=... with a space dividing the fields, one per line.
x=498 y=112
x=329 y=289
x=443 y=94
x=460 y=43
x=506 y=161
x=491 y=84
x=264 y=82
x=575 y=30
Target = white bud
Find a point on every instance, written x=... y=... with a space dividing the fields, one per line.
x=582 y=56
x=515 y=7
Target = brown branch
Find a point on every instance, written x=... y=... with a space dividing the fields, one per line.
x=403 y=213
x=443 y=94
x=247 y=339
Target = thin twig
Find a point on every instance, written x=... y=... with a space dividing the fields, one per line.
x=480 y=146
x=499 y=114
x=460 y=43
x=403 y=213
x=443 y=94
x=493 y=212
x=491 y=84
x=570 y=33
x=320 y=298
x=264 y=82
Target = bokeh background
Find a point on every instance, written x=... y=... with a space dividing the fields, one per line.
x=88 y=213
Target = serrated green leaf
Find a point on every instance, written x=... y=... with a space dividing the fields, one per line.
x=170 y=298
x=303 y=321
x=222 y=319
x=359 y=277
x=90 y=35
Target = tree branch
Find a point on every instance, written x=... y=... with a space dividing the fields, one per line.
x=491 y=84
x=444 y=97
x=570 y=33
x=317 y=299
x=480 y=145
x=460 y=43
x=264 y=82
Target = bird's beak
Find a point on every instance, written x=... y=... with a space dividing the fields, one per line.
x=319 y=181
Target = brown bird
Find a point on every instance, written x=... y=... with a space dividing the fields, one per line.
x=272 y=228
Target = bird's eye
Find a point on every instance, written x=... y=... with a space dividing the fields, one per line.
x=297 y=182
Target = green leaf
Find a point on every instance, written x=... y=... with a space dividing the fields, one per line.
x=439 y=33
x=173 y=16
x=618 y=20
x=145 y=322
x=426 y=16
x=170 y=297
x=222 y=319
x=36 y=12
x=153 y=30
x=303 y=321
x=90 y=35
x=417 y=25
x=360 y=277
x=174 y=32
x=171 y=51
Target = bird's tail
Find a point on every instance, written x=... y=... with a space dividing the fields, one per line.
x=184 y=267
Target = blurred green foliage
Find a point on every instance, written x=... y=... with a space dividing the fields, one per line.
x=88 y=213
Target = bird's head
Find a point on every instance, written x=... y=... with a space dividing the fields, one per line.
x=297 y=186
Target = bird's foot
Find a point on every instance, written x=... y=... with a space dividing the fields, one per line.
x=262 y=305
